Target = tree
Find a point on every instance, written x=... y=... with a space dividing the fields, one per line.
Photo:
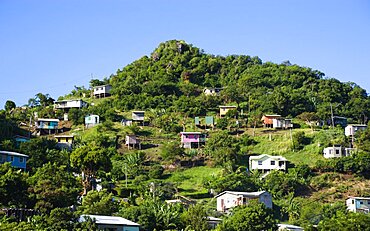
x=40 y=152
x=90 y=159
x=13 y=186
x=9 y=105
x=96 y=82
x=195 y=218
x=310 y=118
x=171 y=151
x=53 y=187
x=253 y=217
x=222 y=147
x=99 y=203
x=346 y=221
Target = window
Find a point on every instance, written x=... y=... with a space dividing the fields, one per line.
x=353 y=201
x=12 y=158
x=21 y=159
x=361 y=202
x=368 y=202
x=337 y=152
x=272 y=162
x=260 y=162
x=330 y=151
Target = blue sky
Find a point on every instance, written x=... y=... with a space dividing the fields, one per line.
x=50 y=46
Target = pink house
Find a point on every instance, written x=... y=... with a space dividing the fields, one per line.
x=192 y=139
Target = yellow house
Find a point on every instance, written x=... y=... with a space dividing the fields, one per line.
x=225 y=109
x=64 y=141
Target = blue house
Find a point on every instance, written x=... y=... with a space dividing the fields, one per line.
x=16 y=159
x=20 y=139
x=112 y=223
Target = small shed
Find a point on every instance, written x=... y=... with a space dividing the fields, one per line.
x=126 y=122
x=138 y=116
x=132 y=140
x=282 y=123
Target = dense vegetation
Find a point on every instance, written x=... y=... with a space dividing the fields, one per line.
x=61 y=185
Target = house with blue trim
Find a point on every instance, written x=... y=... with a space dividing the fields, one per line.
x=358 y=204
x=16 y=159
x=111 y=223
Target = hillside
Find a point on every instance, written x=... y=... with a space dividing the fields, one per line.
x=168 y=86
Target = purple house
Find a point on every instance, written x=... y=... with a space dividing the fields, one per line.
x=192 y=139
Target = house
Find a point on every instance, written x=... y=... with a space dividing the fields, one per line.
x=192 y=139
x=287 y=227
x=267 y=120
x=181 y=200
x=338 y=120
x=46 y=126
x=102 y=91
x=213 y=222
x=267 y=163
x=64 y=141
x=216 y=91
x=20 y=139
x=352 y=129
x=132 y=140
x=126 y=122
x=111 y=223
x=225 y=109
x=68 y=104
x=138 y=116
x=358 y=204
x=230 y=199
x=16 y=159
x=91 y=120
x=282 y=123
x=337 y=151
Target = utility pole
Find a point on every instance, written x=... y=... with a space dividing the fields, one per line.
x=332 y=117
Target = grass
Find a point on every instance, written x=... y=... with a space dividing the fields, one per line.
x=278 y=142
x=190 y=181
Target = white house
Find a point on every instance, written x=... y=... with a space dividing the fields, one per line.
x=138 y=115
x=230 y=199
x=102 y=91
x=287 y=227
x=352 y=129
x=212 y=91
x=112 y=223
x=91 y=120
x=267 y=163
x=68 y=104
x=337 y=151
x=282 y=123
x=358 y=204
